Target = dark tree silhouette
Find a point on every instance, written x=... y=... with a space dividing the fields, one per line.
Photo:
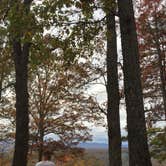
x=113 y=119
x=137 y=136
x=20 y=55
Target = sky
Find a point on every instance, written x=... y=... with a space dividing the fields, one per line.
x=99 y=132
x=99 y=91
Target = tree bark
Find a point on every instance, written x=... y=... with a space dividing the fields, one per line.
x=22 y=134
x=137 y=136
x=1 y=81
x=41 y=137
x=113 y=119
x=20 y=56
x=40 y=148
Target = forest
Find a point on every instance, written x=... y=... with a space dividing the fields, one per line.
x=54 y=55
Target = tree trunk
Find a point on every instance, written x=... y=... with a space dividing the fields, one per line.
x=114 y=134
x=1 y=82
x=137 y=136
x=40 y=152
x=20 y=56
x=22 y=119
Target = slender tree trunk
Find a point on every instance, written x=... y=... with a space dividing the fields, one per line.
x=40 y=145
x=41 y=134
x=22 y=119
x=1 y=83
x=137 y=136
x=114 y=134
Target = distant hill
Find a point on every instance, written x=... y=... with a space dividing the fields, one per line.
x=95 y=145
x=6 y=146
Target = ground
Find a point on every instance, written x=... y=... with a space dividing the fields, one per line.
x=92 y=157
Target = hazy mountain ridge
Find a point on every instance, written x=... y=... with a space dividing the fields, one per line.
x=7 y=145
x=96 y=145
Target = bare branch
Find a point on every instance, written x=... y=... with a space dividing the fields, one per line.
x=7 y=86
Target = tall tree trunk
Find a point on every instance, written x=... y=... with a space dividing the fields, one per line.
x=137 y=136
x=22 y=119
x=21 y=55
x=113 y=119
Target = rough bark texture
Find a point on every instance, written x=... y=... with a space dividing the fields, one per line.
x=22 y=119
x=113 y=119
x=20 y=56
x=137 y=137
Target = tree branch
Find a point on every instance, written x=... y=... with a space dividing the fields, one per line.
x=7 y=86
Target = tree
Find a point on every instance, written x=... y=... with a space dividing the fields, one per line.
x=137 y=136
x=57 y=93
x=113 y=119
x=6 y=66
x=19 y=23
x=58 y=104
x=151 y=33
x=157 y=140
